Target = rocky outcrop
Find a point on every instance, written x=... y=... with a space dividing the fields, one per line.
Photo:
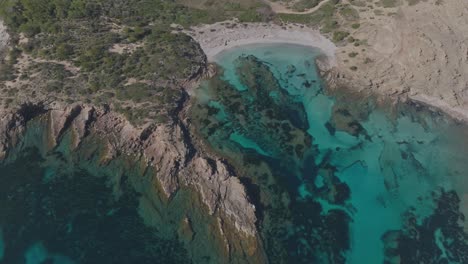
x=221 y=191
x=7 y=123
x=164 y=147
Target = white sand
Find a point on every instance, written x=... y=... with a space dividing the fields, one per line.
x=221 y=36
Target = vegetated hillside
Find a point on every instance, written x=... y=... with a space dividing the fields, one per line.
x=120 y=52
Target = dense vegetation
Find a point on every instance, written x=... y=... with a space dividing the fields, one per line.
x=113 y=43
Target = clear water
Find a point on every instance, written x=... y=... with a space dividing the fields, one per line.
x=370 y=188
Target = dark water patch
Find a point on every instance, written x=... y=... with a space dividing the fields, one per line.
x=75 y=216
x=253 y=191
x=28 y=111
x=439 y=238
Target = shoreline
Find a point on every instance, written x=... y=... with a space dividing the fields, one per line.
x=455 y=112
x=222 y=36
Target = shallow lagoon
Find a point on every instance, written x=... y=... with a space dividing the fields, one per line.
x=377 y=184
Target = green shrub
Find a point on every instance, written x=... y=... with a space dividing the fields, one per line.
x=349 y=13
x=303 y=5
x=340 y=35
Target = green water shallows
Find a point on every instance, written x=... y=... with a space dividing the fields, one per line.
x=372 y=192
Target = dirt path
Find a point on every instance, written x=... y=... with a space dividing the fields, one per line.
x=279 y=8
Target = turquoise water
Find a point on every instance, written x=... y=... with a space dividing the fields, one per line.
x=38 y=254
x=335 y=179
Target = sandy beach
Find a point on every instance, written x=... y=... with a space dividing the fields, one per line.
x=221 y=36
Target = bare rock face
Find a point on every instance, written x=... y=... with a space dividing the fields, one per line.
x=167 y=152
x=60 y=120
x=221 y=191
x=57 y=123
x=5 y=123
x=11 y=126
x=81 y=122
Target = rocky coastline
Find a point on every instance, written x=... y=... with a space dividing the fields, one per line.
x=165 y=149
